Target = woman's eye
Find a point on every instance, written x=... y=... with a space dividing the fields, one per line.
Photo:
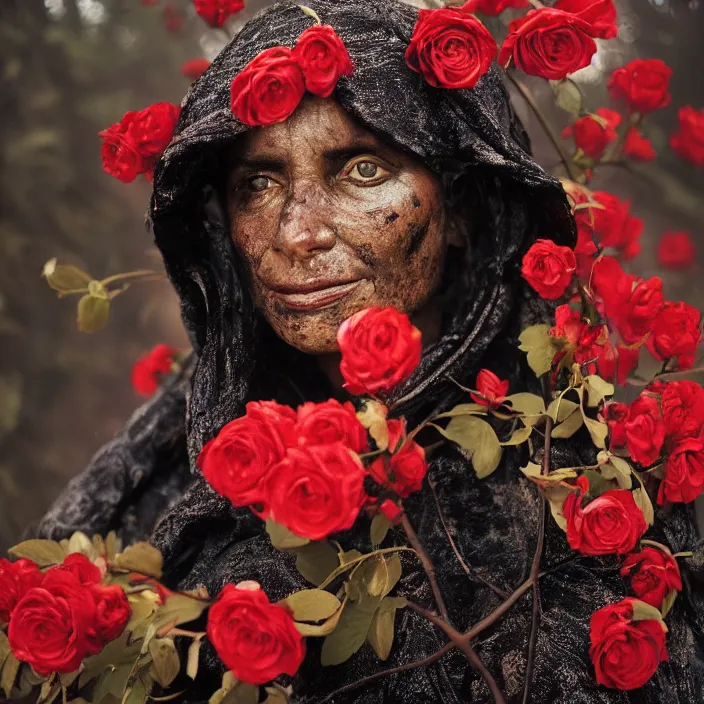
x=366 y=171
x=258 y=183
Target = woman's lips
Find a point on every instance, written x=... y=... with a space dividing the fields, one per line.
x=319 y=298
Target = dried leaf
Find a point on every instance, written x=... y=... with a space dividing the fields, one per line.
x=519 y=436
x=478 y=438
x=381 y=629
x=316 y=560
x=597 y=389
x=556 y=496
x=569 y=426
x=618 y=469
x=165 y=661
x=80 y=543
x=534 y=471
x=464 y=409
x=311 y=13
x=373 y=418
x=93 y=313
x=312 y=604
x=143 y=558
x=178 y=609
x=531 y=405
x=379 y=528
x=640 y=496
x=382 y=574
x=228 y=682
x=561 y=408
x=242 y=693
x=282 y=538
x=118 y=653
x=348 y=637
x=568 y=96
x=540 y=348
x=192 y=658
x=278 y=695
x=43 y=552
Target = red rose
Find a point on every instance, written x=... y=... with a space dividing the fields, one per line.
x=173 y=18
x=615 y=415
x=682 y=404
x=493 y=7
x=255 y=639
x=593 y=135
x=237 y=461
x=615 y=226
x=625 y=652
x=380 y=349
x=548 y=43
x=653 y=574
x=643 y=83
x=268 y=89
x=638 y=310
x=216 y=12
x=637 y=147
x=390 y=509
x=600 y=14
x=119 y=152
x=684 y=472
x=317 y=490
x=16 y=578
x=404 y=471
x=329 y=422
x=689 y=141
x=53 y=626
x=81 y=567
x=645 y=430
x=149 y=368
x=676 y=332
x=548 y=268
x=676 y=250
x=195 y=68
x=610 y=523
x=450 y=48
x=492 y=389
x=153 y=127
x=112 y=612
x=323 y=58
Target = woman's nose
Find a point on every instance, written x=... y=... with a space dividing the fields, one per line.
x=304 y=228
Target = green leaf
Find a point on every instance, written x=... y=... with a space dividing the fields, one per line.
x=569 y=426
x=192 y=658
x=519 y=436
x=43 y=552
x=310 y=13
x=381 y=628
x=316 y=560
x=597 y=389
x=534 y=471
x=282 y=538
x=93 y=313
x=478 y=439
x=4 y=647
x=556 y=496
x=640 y=496
x=10 y=669
x=561 y=408
x=178 y=609
x=348 y=637
x=165 y=661
x=530 y=405
x=81 y=543
x=668 y=602
x=312 y=604
x=141 y=557
x=382 y=574
x=568 y=96
x=464 y=409
x=136 y=693
x=112 y=683
x=618 y=469
x=119 y=652
x=646 y=612
x=353 y=557
x=540 y=347
x=379 y=528
x=598 y=484
x=65 y=278
x=323 y=629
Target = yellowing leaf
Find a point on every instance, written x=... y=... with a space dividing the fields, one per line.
x=618 y=469
x=312 y=604
x=597 y=389
x=382 y=574
x=140 y=557
x=282 y=538
x=381 y=628
x=93 y=313
x=464 y=409
x=519 y=436
x=43 y=552
x=178 y=609
x=165 y=661
x=534 y=471
x=540 y=348
x=80 y=543
x=379 y=528
x=556 y=496
x=192 y=658
x=668 y=602
x=561 y=408
x=640 y=496
x=478 y=439
x=569 y=426
x=373 y=418
x=65 y=278
x=323 y=629
x=530 y=405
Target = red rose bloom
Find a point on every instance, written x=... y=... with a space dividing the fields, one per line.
x=404 y=471
x=237 y=461
x=615 y=226
x=390 y=509
x=684 y=472
x=153 y=127
x=323 y=58
x=645 y=430
x=676 y=250
x=682 y=404
x=688 y=142
x=593 y=135
x=380 y=349
x=493 y=7
x=615 y=415
x=119 y=152
x=450 y=48
x=600 y=14
x=16 y=578
x=610 y=523
x=173 y=18
x=81 y=567
x=637 y=147
x=676 y=332
x=548 y=268
x=149 y=369
x=112 y=612
x=548 y=43
x=268 y=89
x=653 y=574
x=216 y=12
x=643 y=84
x=317 y=490
x=492 y=389
x=255 y=639
x=637 y=311
x=329 y=422
x=53 y=626
x=625 y=652
x=195 y=68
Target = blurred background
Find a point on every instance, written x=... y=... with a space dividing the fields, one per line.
x=69 y=68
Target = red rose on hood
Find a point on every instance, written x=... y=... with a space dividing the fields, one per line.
x=548 y=268
x=637 y=147
x=625 y=652
x=16 y=578
x=688 y=142
x=643 y=84
x=645 y=430
x=593 y=135
x=450 y=48
x=120 y=153
x=652 y=574
x=676 y=250
x=684 y=472
x=323 y=58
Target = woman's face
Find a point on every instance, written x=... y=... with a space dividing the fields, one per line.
x=330 y=220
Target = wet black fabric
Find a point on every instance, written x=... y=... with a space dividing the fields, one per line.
x=473 y=141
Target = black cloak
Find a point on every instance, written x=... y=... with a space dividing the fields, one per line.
x=473 y=141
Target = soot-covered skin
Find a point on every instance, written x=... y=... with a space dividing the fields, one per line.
x=329 y=220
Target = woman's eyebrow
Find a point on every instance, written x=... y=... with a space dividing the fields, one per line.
x=260 y=164
x=349 y=152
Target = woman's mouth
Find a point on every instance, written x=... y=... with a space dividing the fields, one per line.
x=315 y=296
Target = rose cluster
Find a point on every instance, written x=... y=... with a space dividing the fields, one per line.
x=270 y=87
x=135 y=144
x=664 y=424
x=59 y=617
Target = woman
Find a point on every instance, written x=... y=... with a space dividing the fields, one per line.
x=390 y=192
